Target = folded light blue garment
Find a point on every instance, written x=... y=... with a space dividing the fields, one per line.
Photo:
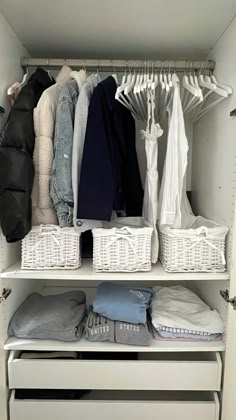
x=122 y=303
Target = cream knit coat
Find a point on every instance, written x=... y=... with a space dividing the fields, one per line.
x=44 y=123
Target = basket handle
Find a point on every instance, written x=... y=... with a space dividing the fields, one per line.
x=119 y=231
x=49 y=228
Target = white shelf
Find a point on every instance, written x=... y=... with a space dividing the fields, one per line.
x=84 y=345
x=86 y=273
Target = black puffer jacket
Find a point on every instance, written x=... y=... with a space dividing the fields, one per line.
x=16 y=164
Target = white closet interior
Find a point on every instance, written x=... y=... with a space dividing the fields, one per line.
x=167 y=380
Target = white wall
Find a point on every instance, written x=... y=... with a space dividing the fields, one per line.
x=10 y=70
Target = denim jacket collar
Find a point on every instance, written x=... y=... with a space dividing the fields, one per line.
x=63 y=75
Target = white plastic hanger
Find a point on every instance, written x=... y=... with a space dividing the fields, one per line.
x=133 y=91
x=128 y=92
x=11 y=89
x=170 y=77
x=228 y=89
x=196 y=96
x=114 y=75
x=207 y=89
x=119 y=96
x=139 y=96
x=123 y=81
x=166 y=94
x=97 y=73
x=219 y=91
x=135 y=96
x=143 y=91
x=191 y=92
x=162 y=92
x=195 y=100
x=49 y=73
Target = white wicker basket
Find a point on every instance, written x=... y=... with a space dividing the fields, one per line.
x=201 y=248
x=126 y=249
x=49 y=247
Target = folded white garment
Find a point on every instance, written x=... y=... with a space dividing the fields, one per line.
x=181 y=331
x=179 y=307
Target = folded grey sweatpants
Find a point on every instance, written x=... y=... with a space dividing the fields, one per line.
x=100 y=328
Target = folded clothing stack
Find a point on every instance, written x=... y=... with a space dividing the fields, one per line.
x=179 y=314
x=119 y=315
x=58 y=317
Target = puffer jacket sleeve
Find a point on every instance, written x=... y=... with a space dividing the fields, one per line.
x=16 y=164
x=44 y=121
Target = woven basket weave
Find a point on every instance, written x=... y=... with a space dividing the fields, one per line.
x=125 y=249
x=49 y=247
x=196 y=250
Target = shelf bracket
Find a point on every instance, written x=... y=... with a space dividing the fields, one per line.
x=225 y=296
x=4 y=295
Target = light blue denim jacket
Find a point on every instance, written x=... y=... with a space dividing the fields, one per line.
x=61 y=183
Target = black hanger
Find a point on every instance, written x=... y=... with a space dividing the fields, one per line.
x=2 y=110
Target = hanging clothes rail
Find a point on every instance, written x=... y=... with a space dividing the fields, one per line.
x=119 y=65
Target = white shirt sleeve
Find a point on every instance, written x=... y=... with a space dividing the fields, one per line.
x=175 y=166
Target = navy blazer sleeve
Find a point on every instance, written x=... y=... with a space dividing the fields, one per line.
x=95 y=198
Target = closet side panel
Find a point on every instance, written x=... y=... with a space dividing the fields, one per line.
x=214 y=145
x=10 y=70
x=228 y=404
x=214 y=183
x=9 y=253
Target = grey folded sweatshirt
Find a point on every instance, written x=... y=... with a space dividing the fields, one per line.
x=56 y=317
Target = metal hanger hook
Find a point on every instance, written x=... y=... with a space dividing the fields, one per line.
x=200 y=70
x=129 y=66
x=112 y=63
x=98 y=67
x=191 y=70
x=162 y=63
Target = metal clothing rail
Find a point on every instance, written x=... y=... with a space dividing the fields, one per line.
x=119 y=65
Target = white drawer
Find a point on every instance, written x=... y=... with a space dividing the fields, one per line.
x=126 y=406
x=153 y=371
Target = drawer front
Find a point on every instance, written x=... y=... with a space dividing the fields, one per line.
x=105 y=410
x=196 y=375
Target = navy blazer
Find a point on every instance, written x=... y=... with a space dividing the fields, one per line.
x=110 y=178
